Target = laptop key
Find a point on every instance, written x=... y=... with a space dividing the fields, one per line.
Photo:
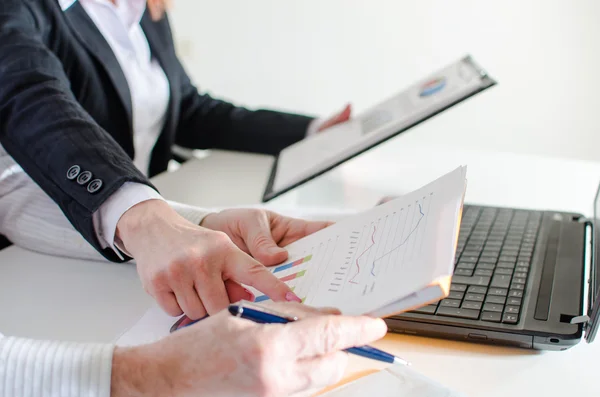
x=492 y=307
x=521 y=274
x=450 y=303
x=515 y=286
x=501 y=281
x=515 y=293
x=503 y=270
x=471 y=305
x=465 y=265
x=477 y=290
x=508 y=265
x=488 y=259
x=518 y=280
x=456 y=295
x=460 y=313
x=514 y=301
x=430 y=309
x=474 y=297
x=464 y=272
x=510 y=318
x=521 y=269
x=512 y=309
x=486 y=266
x=500 y=300
x=477 y=280
x=483 y=272
x=494 y=317
x=498 y=291
x=458 y=287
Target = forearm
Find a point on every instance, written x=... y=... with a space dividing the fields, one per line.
x=54 y=369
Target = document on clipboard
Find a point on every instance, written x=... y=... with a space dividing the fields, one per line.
x=315 y=155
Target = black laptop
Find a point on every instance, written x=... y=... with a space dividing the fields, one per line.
x=519 y=280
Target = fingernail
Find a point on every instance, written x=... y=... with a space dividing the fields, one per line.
x=274 y=250
x=291 y=297
x=251 y=296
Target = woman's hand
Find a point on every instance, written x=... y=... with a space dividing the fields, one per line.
x=199 y=270
x=226 y=356
x=260 y=233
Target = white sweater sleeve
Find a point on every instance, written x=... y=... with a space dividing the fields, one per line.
x=31 y=368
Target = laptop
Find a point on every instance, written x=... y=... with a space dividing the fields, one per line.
x=519 y=280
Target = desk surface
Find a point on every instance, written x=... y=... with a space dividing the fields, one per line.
x=57 y=298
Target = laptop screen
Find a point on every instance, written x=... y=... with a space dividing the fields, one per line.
x=594 y=293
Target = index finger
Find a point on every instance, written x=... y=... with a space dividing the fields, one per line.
x=323 y=335
x=242 y=268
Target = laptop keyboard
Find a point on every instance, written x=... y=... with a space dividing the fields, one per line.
x=493 y=257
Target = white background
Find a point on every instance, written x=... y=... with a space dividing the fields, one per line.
x=315 y=55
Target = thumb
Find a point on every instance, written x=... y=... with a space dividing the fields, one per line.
x=261 y=245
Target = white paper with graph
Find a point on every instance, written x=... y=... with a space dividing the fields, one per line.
x=383 y=261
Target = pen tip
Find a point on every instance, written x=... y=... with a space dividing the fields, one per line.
x=398 y=360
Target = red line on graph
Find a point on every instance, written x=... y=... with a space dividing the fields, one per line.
x=364 y=252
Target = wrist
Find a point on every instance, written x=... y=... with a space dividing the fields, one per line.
x=131 y=376
x=140 y=219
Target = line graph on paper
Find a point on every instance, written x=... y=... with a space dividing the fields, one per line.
x=303 y=274
x=384 y=245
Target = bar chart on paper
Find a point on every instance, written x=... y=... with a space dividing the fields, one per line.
x=302 y=274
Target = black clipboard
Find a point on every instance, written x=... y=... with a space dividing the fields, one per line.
x=485 y=82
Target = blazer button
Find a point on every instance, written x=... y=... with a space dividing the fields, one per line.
x=94 y=186
x=73 y=172
x=84 y=177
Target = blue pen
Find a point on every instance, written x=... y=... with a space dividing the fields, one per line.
x=260 y=314
x=263 y=315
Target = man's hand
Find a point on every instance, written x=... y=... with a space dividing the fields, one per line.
x=228 y=356
x=193 y=270
x=338 y=118
x=261 y=233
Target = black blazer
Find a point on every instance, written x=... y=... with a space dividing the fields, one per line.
x=65 y=109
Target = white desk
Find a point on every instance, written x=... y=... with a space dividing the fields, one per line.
x=64 y=299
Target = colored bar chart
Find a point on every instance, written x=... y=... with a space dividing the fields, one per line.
x=293 y=276
x=292 y=264
x=290 y=277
